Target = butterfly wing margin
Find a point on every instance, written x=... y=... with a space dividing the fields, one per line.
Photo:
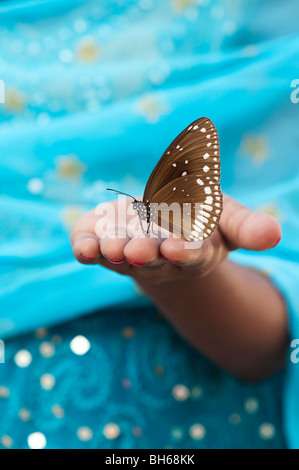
x=194 y=212
x=197 y=143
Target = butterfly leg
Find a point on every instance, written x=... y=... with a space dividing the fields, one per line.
x=145 y=232
x=152 y=229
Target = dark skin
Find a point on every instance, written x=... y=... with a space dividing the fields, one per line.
x=244 y=328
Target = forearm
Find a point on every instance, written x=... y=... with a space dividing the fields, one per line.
x=234 y=316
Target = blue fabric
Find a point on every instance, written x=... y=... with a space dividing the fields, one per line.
x=140 y=385
x=95 y=91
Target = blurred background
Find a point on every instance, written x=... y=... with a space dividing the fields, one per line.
x=94 y=93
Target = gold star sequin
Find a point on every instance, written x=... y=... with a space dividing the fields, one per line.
x=47 y=381
x=4 y=392
x=6 y=441
x=41 y=333
x=180 y=392
x=47 y=349
x=266 y=431
x=69 y=167
x=111 y=431
x=71 y=214
x=181 y=5
x=15 y=100
x=151 y=107
x=197 y=431
x=88 y=51
x=137 y=431
x=57 y=411
x=256 y=148
x=24 y=414
x=128 y=332
x=84 y=433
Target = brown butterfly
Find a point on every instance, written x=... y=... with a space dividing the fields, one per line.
x=183 y=192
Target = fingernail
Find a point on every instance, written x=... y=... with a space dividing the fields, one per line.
x=135 y=264
x=87 y=259
x=116 y=261
x=170 y=260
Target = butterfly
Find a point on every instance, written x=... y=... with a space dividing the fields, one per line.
x=183 y=192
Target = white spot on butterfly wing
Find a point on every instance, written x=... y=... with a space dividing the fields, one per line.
x=203 y=129
x=199 y=181
x=199 y=224
x=209 y=200
x=202 y=218
x=206 y=155
x=206 y=168
x=206 y=214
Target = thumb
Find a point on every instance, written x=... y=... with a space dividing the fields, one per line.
x=243 y=228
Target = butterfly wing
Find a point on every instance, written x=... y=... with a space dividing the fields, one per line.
x=188 y=174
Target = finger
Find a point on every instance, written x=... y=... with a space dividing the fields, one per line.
x=86 y=248
x=113 y=248
x=243 y=228
x=84 y=241
x=187 y=254
x=143 y=251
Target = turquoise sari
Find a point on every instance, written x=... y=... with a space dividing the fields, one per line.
x=94 y=92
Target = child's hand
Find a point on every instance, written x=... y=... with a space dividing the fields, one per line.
x=157 y=261
x=232 y=314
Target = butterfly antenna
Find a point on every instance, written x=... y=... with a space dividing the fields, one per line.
x=119 y=192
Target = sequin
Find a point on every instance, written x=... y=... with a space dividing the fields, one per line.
x=111 y=431
x=6 y=441
x=251 y=405
x=37 y=440
x=80 y=345
x=267 y=431
x=128 y=332
x=84 y=433
x=24 y=414
x=23 y=358
x=47 y=381
x=57 y=411
x=41 y=332
x=197 y=431
x=47 y=349
x=4 y=392
x=35 y=186
x=180 y=392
